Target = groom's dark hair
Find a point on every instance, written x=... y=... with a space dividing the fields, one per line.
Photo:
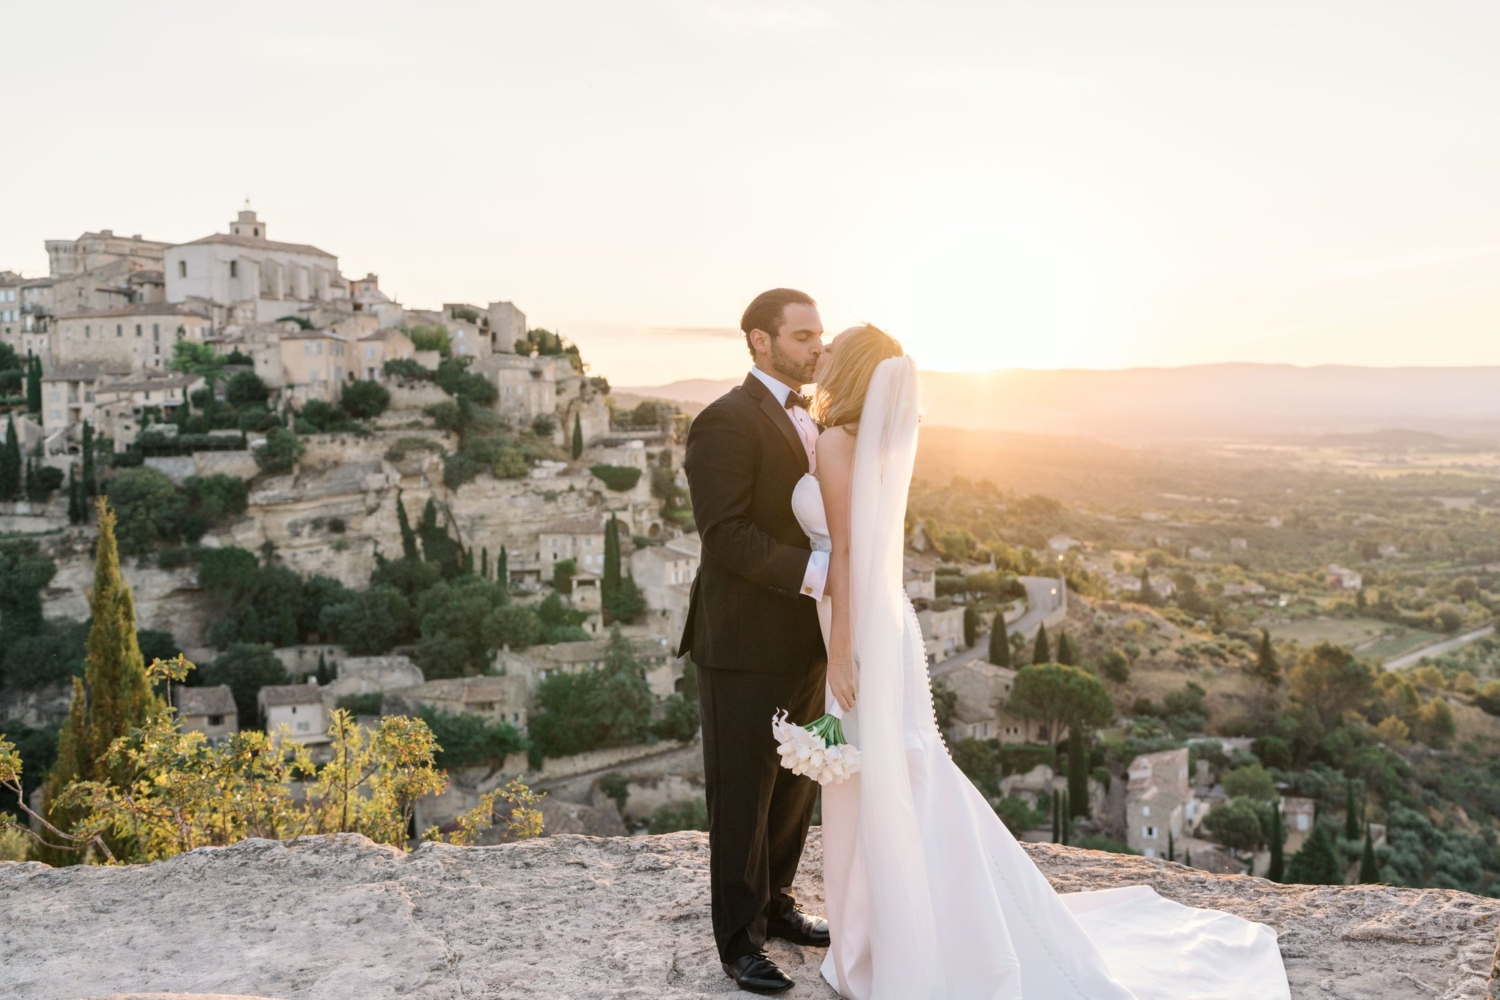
x=765 y=312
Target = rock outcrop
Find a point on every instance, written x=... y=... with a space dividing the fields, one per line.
x=581 y=917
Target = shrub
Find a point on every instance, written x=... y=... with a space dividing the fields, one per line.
x=1018 y=815
x=280 y=452
x=1096 y=842
x=147 y=508
x=406 y=368
x=674 y=816
x=362 y=704
x=1253 y=782
x=466 y=740
x=365 y=400
x=1020 y=758
x=978 y=760
x=617 y=477
x=246 y=389
x=430 y=338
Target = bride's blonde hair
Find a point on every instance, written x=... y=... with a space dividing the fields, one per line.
x=841 y=395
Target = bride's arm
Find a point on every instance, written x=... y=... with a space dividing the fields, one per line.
x=835 y=476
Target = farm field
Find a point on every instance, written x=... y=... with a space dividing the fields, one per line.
x=1370 y=637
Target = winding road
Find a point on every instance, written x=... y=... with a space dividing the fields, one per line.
x=1437 y=648
x=1043 y=596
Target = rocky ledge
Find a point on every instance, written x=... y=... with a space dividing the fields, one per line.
x=584 y=917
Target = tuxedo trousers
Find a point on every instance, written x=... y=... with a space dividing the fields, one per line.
x=758 y=811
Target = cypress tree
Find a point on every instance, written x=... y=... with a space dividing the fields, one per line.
x=577 y=437
x=90 y=483
x=1148 y=596
x=611 y=581
x=10 y=462
x=34 y=384
x=1351 y=818
x=77 y=509
x=484 y=563
x=971 y=626
x=1171 y=847
x=1056 y=833
x=1266 y=667
x=408 y=537
x=999 y=641
x=1065 y=652
x=1187 y=857
x=1078 y=772
x=468 y=563
x=1041 y=653
x=1066 y=817
x=1318 y=862
x=502 y=568
x=1369 y=868
x=115 y=695
x=324 y=675
x=1277 y=869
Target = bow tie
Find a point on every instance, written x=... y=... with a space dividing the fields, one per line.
x=795 y=398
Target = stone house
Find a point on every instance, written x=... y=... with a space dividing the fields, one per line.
x=526 y=386
x=578 y=538
x=665 y=575
x=658 y=655
x=942 y=628
x=121 y=405
x=982 y=691
x=298 y=707
x=507 y=325
x=1341 y=578
x=207 y=710
x=140 y=336
x=919 y=578
x=370 y=675
x=1158 y=801
x=68 y=398
x=245 y=276
x=499 y=699
x=374 y=349
x=1297 y=820
x=365 y=297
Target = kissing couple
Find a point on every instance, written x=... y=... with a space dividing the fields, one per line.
x=798 y=605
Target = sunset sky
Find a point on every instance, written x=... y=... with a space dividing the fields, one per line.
x=1039 y=184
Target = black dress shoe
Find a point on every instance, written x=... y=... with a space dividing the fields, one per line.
x=758 y=974
x=799 y=928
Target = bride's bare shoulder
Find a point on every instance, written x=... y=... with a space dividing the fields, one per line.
x=835 y=443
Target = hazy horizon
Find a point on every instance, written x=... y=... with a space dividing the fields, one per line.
x=1067 y=185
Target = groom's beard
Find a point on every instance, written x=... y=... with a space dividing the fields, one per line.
x=785 y=366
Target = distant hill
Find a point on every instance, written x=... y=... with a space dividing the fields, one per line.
x=1228 y=400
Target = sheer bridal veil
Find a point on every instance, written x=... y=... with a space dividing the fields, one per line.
x=904 y=947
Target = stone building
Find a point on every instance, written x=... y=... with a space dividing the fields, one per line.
x=298 y=707
x=243 y=276
x=665 y=575
x=94 y=251
x=68 y=398
x=1297 y=820
x=507 y=325
x=1158 y=801
x=207 y=710
x=366 y=298
x=376 y=348
x=527 y=386
x=304 y=364
x=121 y=405
x=141 y=336
x=499 y=699
x=534 y=665
x=942 y=628
x=919 y=577
x=578 y=538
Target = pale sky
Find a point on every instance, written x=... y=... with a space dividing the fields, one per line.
x=1039 y=184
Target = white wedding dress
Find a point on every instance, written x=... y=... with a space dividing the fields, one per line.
x=928 y=895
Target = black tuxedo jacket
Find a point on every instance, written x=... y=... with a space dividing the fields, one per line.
x=746 y=611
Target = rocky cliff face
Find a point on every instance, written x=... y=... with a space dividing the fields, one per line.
x=582 y=917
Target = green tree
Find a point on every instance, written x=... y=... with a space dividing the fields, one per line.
x=438 y=548
x=465 y=740
x=944 y=704
x=1317 y=863
x=280 y=452
x=365 y=400
x=1252 y=781
x=502 y=569
x=78 y=510
x=246 y=667
x=1078 y=773
x=1235 y=824
x=1276 y=839
x=1148 y=594
x=1369 y=868
x=114 y=695
x=192 y=358
x=1328 y=681
x=1351 y=818
x=90 y=478
x=408 y=537
x=1056 y=818
x=999 y=641
x=453 y=616
x=370 y=622
x=24 y=571
x=1266 y=668
x=1115 y=666
x=971 y=625
x=10 y=462
x=577 y=437
x=484 y=562
x=34 y=385
x=1041 y=652
x=627 y=604
x=147 y=508
x=1057 y=695
x=246 y=389
x=1065 y=817
x=609 y=706
x=1171 y=847
x=1066 y=654
x=980 y=762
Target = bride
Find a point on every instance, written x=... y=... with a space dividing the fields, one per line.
x=928 y=894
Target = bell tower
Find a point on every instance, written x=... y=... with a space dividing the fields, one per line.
x=247 y=224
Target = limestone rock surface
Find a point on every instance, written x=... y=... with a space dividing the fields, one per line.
x=582 y=917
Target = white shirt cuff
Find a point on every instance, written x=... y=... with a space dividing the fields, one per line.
x=815 y=578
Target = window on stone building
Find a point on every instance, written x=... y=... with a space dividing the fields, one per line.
x=234 y=269
x=138 y=329
x=1149 y=832
x=182 y=269
x=119 y=329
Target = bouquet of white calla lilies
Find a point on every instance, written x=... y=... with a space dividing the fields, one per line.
x=817 y=750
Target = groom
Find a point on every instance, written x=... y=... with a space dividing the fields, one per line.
x=752 y=630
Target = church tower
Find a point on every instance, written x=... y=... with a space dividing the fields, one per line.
x=247 y=224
